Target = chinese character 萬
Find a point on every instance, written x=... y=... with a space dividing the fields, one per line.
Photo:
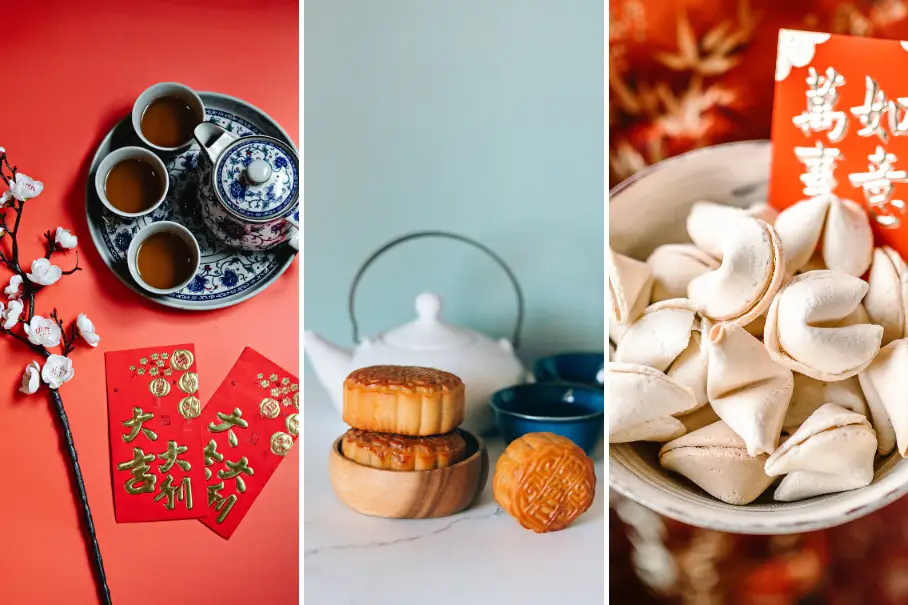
x=821 y=113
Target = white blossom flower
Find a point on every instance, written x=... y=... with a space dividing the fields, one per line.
x=57 y=370
x=65 y=239
x=796 y=49
x=87 y=330
x=12 y=290
x=44 y=273
x=31 y=379
x=25 y=188
x=5 y=197
x=43 y=332
x=11 y=314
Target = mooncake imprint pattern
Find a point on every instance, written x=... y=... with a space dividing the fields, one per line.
x=544 y=481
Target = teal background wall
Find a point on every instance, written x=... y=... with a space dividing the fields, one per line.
x=482 y=117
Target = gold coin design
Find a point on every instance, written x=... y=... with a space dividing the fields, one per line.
x=293 y=424
x=190 y=407
x=189 y=383
x=281 y=443
x=296 y=400
x=269 y=408
x=159 y=387
x=181 y=360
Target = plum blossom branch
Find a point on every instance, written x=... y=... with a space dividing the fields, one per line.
x=41 y=334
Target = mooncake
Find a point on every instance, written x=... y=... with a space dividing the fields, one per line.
x=403 y=453
x=404 y=400
x=545 y=481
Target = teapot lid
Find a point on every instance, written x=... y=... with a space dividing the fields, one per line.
x=257 y=178
x=428 y=331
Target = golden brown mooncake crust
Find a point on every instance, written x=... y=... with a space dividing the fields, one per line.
x=403 y=453
x=545 y=481
x=404 y=400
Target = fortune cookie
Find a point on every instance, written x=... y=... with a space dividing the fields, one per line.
x=809 y=394
x=705 y=217
x=887 y=298
x=750 y=274
x=630 y=284
x=643 y=402
x=840 y=227
x=816 y=326
x=831 y=452
x=748 y=391
x=885 y=385
x=674 y=266
x=666 y=337
x=716 y=459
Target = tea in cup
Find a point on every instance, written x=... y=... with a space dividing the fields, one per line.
x=132 y=182
x=163 y=257
x=165 y=115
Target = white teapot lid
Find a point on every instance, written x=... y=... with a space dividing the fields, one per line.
x=428 y=331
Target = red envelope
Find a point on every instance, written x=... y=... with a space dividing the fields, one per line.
x=155 y=434
x=840 y=116
x=250 y=424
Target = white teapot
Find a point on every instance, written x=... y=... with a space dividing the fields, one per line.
x=484 y=364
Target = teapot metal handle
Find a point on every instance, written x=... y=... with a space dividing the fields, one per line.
x=442 y=234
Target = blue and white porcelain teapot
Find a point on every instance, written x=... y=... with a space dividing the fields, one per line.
x=248 y=189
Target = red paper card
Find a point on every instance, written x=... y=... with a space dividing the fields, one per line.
x=249 y=425
x=840 y=116
x=155 y=434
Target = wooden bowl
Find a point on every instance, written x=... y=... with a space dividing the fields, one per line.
x=410 y=494
x=649 y=209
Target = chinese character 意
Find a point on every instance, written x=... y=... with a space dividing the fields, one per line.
x=819 y=163
x=878 y=187
x=219 y=502
x=171 y=457
x=821 y=113
x=241 y=467
x=227 y=423
x=870 y=114
x=141 y=482
x=135 y=425
x=182 y=492
x=212 y=455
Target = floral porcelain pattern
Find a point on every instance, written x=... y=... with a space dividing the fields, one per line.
x=224 y=271
x=257 y=202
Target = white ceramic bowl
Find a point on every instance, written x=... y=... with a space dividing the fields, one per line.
x=163 y=89
x=647 y=210
x=146 y=232
x=130 y=153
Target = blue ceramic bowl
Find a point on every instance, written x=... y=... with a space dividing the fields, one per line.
x=570 y=410
x=583 y=368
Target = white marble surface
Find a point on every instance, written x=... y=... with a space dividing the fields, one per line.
x=480 y=556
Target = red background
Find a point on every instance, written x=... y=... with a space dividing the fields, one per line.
x=71 y=70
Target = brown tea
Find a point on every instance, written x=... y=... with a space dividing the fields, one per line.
x=168 y=121
x=164 y=260
x=133 y=185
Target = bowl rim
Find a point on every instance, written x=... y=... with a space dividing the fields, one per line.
x=556 y=419
x=477 y=455
x=810 y=514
